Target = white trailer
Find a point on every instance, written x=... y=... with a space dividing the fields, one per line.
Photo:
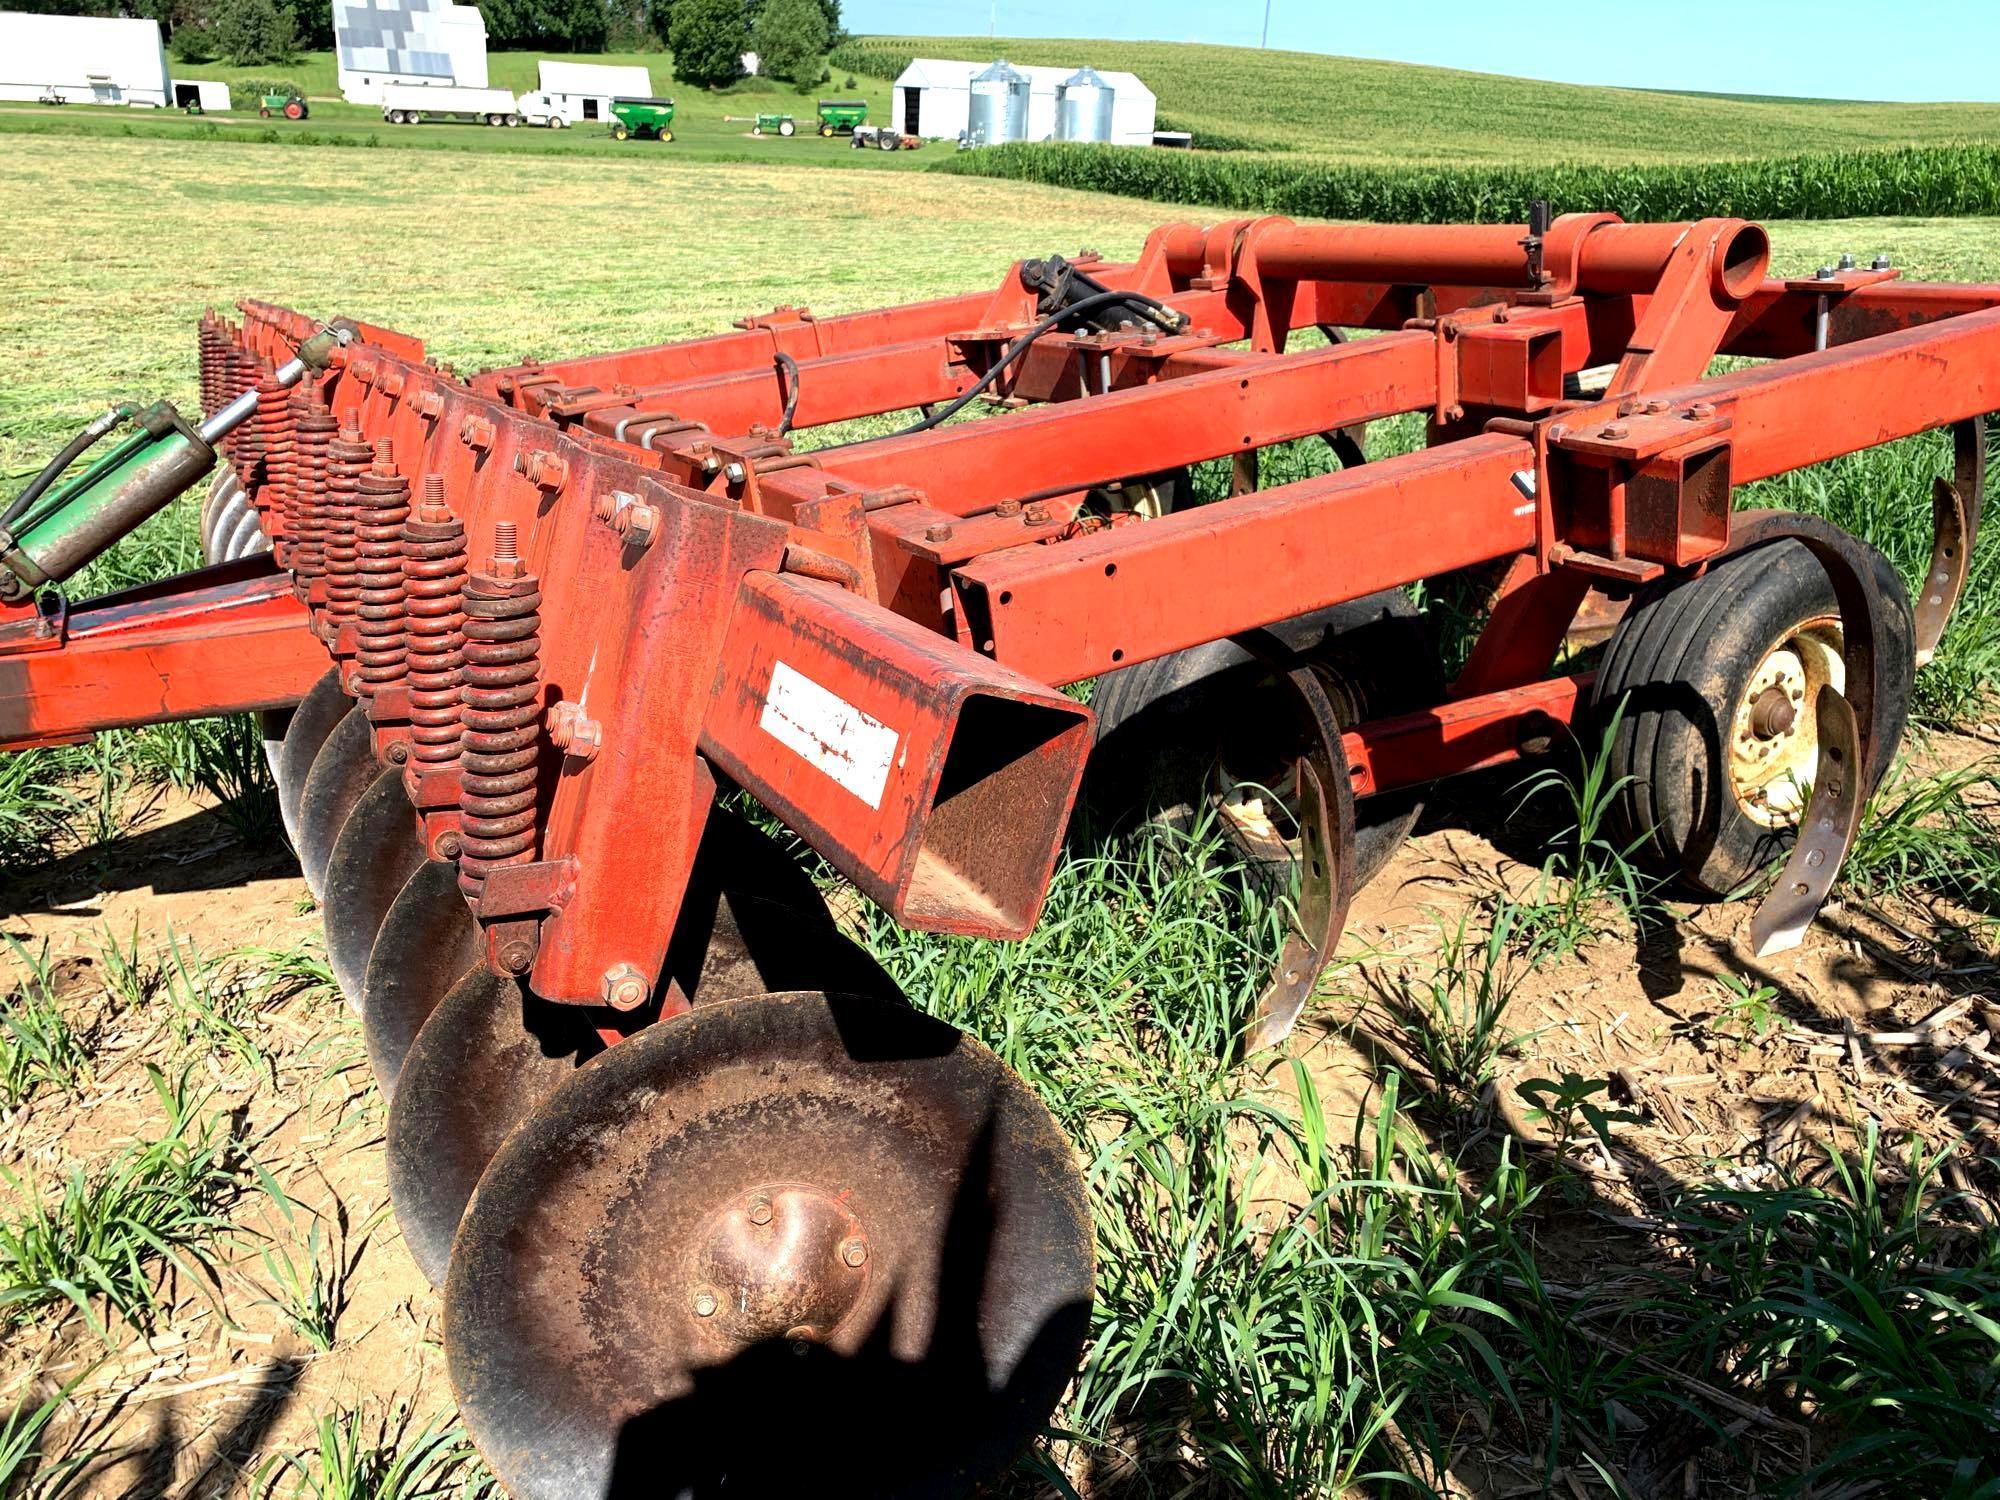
x=580 y=92
x=413 y=103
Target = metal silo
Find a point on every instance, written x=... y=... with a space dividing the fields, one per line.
x=1083 y=107
x=999 y=106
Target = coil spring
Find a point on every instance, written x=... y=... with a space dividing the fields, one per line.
x=434 y=566
x=241 y=444
x=307 y=522
x=383 y=505
x=274 y=443
x=502 y=720
x=347 y=457
x=208 y=344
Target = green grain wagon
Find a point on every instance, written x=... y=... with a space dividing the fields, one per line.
x=841 y=115
x=648 y=119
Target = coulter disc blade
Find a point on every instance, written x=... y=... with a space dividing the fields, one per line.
x=789 y=1244
x=491 y=1051
x=428 y=942
x=344 y=768
x=378 y=848
x=323 y=706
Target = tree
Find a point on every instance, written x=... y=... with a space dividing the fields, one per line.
x=708 y=38
x=791 y=41
x=660 y=14
x=252 y=32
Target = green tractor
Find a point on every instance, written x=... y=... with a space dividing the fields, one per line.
x=646 y=119
x=841 y=115
x=291 y=105
x=774 y=124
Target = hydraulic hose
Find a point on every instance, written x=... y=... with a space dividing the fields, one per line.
x=57 y=466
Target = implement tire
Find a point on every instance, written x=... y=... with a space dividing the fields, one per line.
x=1719 y=676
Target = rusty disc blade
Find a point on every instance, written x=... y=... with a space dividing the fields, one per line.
x=378 y=848
x=323 y=706
x=491 y=1051
x=344 y=768
x=428 y=942
x=791 y=1244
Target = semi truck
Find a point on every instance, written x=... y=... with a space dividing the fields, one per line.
x=413 y=103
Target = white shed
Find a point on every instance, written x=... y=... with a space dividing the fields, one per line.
x=584 y=91
x=933 y=97
x=82 y=60
x=201 y=95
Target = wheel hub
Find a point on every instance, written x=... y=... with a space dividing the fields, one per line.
x=784 y=1261
x=1773 y=739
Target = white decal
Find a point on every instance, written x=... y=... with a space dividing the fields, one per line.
x=854 y=748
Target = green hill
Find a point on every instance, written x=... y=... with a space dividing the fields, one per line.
x=1356 y=110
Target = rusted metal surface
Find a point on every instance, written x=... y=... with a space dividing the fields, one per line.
x=377 y=851
x=1955 y=508
x=427 y=943
x=851 y=1214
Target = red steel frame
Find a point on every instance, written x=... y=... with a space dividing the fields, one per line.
x=865 y=636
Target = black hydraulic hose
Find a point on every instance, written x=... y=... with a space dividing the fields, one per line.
x=1019 y=347
x=789 y=380
x=55 y=467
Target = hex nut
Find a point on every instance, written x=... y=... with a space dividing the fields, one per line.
x=638 y=522
x=624 y=987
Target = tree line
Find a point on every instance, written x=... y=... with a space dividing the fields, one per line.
x=707 y=37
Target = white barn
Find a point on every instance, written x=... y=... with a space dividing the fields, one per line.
x=406 y=41
x=83 y=60
x=932 y=98
x=584 y=91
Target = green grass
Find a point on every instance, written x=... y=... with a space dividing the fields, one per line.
x=362 y=1456
x=38 y=1048
x=1397 y=114
x=101 y=1237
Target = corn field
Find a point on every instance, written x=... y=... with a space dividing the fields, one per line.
x=1918 y=181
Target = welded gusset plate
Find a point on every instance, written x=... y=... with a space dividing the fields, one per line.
x=322 y=708
x=783 y=1245
x=1826 y=832
x=378 y=849
x=1955 y=507
x=1326 y=850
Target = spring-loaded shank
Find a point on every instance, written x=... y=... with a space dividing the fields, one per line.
x=501 y=715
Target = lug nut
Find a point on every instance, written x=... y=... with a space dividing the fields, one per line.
x=854 y=1253
x=625 y=988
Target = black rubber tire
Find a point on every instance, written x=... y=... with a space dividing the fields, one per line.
x=1681 y=660
x=1157 y=722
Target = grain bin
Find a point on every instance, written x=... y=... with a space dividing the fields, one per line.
x=1083 y=107
x=999 y=106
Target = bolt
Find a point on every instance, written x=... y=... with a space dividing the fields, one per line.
x=432 y=506
x=1772 y=714
x=705 y=1303
x=637 y=522
x=1846 y=261
x=734 y=474
x=384 y=461
x=1628 y=406
x=1655 y=408
x=802 y=1335
x=710 y=463
x=517 y=956
x=1007 y=508
x=759 y=1211
x=1700 y=411
x=1613 y=431
x=610 y=502
x=399 y=753
x=542 y=469
x=506 y=559
x=1824 y=273
x=363 y=370
x=1881 y=263
x=391 y=383
x=854 y=1252
x=448 y=844
x=575 y=735
x=1037 y=514
x=937 y=533
x=624 y=987
x=429 y=405
x=476 y=432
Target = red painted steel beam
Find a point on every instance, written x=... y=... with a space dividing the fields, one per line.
x=1065 y=612
x=1776 y=321
x=970 y=466
x=157 y=655
x=1469 y=734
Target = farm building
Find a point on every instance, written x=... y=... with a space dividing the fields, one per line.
x=82 y=60
x=406 y=41
x=584 y=91
x=933 y=99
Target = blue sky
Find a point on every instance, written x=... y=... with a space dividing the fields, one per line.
x=1881 y=49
